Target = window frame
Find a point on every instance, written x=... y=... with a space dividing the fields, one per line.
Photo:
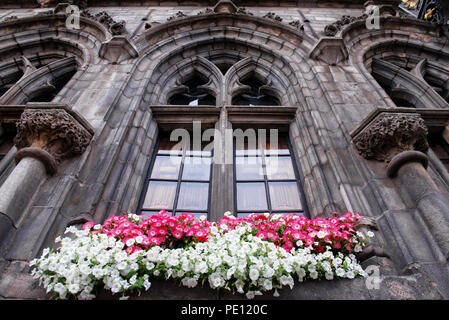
x=179 y=181
x=266 y=181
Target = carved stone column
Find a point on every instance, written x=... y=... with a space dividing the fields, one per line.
x=400 y=141
x=44 y=138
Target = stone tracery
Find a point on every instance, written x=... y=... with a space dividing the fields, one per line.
x=164 y=60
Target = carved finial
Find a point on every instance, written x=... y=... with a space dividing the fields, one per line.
x=225 y=6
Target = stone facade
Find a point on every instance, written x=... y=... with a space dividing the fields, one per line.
x=359 y=105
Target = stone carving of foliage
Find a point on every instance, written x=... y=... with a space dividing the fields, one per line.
x=332 y=29
x=391 y=133
x=52 y=130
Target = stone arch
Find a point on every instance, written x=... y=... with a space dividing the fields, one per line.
x=271 y=79
x=49 y=34
x=41 y=81
x=55 y=54
x=402 y=84
x=397 y=39
x=184 y=59
x=234 y=22
x=310 y=132
x=170 y=76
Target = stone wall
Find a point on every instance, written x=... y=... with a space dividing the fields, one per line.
x=326 y=80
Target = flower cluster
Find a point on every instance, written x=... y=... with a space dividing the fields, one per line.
x=232 y=254
x=296 y=231
x=162 y=229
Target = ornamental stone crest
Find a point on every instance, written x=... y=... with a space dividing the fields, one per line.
x=52 y=130
x=390 y=134
x=228 y=7
x=114 y=27
x=332 y=29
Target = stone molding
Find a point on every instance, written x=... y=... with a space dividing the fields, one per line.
x=331 y=50
x=405 y=157
x=53 y=130
x=389 y=134
x=227 y=7
x=40 y=154
x=118 y=49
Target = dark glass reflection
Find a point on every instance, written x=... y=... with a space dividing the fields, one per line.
x=439 y=86
x=441 y=148
x=7 y=133
x=254 y=97
x=7 y=81
x=195 y=96
x=47 y=94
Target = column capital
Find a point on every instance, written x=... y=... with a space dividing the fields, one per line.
x=53 y=130
x=390 y=133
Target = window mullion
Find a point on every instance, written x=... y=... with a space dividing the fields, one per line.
x=265 y=177
x=178 y=186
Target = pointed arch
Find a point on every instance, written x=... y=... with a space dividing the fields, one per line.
x=171 y=74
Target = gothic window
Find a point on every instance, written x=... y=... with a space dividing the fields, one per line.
x=35 y=78
x=219 y=79
x=7 y=133
x=194 y=93
x=48 y=93
x=8 y=78
x=256 y=94
x=179 y=179
x=441 y=148
x=412 y=82
x=184 y=91
x=266 y=179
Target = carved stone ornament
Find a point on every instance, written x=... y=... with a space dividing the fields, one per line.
x=390 y=134
x=273 y=16
x=177 y=15
x=332 y=29
x=52 y=130
x=228 y=7
x=206 y=11
x=114 y=27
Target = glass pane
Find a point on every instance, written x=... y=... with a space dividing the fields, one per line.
x=246 y=143
x=249 y=168
x=151 y=213
x=196 y=168
x=279 y=147
x=170 y=147
x=160 y=195
x=251 y=196
x=279 y=168
x=242 y=215
x=284 y=196
x=193 y=196
x=166 y=167
x=196 y=214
